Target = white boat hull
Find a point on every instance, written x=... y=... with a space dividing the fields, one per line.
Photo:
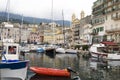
x=10 y=70
x=7 y=74
x=60 y=50
x=114 y=57
x=98 y=55
x=71 y=51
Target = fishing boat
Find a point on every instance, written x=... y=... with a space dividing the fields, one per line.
x=98 y=50
x=50 y=71
x=11 y=67
x=106 y=50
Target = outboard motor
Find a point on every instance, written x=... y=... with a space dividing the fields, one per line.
x=76 y=78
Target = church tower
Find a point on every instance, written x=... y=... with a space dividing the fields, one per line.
x=82 y=14
x=73 y=17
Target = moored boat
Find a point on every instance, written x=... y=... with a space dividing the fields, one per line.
x=40 y=50
x=71 y=51
x=51 y=71
x=97 y=50
x=10 y=65
x=106 y=51
x=60 y=50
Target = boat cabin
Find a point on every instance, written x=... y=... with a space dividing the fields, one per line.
x=97 y=48
x=11 y=51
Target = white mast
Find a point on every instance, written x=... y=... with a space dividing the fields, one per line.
x=63 y=28
x=21 y=29
x=53 y=23
x=7 y=9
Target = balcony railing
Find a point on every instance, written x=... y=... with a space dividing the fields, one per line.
x=111 y=30
x=116 y=17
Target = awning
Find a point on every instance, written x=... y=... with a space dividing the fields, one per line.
x=109 y=43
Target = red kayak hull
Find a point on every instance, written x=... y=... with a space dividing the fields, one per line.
x=50 y=71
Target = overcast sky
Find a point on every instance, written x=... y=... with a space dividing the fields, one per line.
x=43 y=8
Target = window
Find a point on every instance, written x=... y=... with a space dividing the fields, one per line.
x=106 y=17
x=12 y=49
x=101 y=28
x=97 y=29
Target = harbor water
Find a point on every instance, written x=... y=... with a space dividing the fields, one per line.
x=88 y=69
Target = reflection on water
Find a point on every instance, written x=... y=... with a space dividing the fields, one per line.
x=60 y=61
x=85 y=67
x=36 y=77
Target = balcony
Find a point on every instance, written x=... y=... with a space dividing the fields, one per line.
x=116 y=17
x=112 y=30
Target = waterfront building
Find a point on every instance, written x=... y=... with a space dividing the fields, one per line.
x=68 y=36
x=85 y=31
x=53 y=33
x=106 y=20
x=81 y=30
x=35 y=35
x=75 y=30
x=24 y=31
x=59 y=35
x=48 y=33
x=9 y=31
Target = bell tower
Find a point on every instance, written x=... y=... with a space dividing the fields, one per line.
x=73 y=17
x=82 y=14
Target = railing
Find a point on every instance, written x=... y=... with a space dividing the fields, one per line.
x=116 y=17
x=113 y=30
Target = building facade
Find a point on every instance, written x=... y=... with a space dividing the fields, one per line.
x=106 y=20
x=81 y=29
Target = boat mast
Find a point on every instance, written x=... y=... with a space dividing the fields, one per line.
x=63 y=29
x=53 y=23
x=21 y=29
x=7 y=9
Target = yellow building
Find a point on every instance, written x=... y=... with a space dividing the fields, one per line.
x=59 y=36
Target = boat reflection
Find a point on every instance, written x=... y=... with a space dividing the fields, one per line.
x=41 y=77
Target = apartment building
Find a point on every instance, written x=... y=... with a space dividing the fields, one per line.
x=9 y=31
x=36 y=34
x=75 y=29
x=106 y=20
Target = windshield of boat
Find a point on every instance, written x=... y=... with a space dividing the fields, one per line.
x=12 y=49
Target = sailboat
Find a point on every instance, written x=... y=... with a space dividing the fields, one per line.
x=50 y=48
x=61 y=49
x=11 y=66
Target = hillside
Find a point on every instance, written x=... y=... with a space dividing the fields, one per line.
x=29 y=20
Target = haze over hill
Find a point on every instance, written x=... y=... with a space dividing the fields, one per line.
x=30 y=20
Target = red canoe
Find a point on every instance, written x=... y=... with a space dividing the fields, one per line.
x=50 y=71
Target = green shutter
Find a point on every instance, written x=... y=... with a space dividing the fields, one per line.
x=101 y=28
